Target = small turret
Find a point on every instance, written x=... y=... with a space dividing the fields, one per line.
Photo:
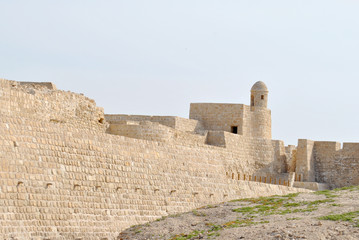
x=260 y=114
x=259 y=95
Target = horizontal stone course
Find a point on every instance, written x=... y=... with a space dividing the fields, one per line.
x=63 y=177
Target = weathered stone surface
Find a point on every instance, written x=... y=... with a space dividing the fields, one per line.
x=63 y=176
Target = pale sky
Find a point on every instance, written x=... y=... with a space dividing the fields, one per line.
x=155 y=57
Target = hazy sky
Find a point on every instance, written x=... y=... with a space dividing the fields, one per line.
x=155 y=57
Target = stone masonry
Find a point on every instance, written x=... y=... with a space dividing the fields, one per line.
x=68 y=171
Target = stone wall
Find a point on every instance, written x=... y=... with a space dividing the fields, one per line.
x=155 y=131
x=39 y=85
x=182 y=124
x=218 y=116
x=305 y=160
x=61 y=182
x=260 y=122
x=252 y=122
x=335 y=166
x=63 y=177
x=327 y=162
x=45 y=103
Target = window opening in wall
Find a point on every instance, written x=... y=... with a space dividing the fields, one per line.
x=234 y=129
x=262 y=97
x=252 y=100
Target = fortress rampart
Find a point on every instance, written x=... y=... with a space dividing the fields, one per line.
x=327 y=162
x=68 y=171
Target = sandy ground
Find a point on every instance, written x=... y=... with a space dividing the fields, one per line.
x=279 y=217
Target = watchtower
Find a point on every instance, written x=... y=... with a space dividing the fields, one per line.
x=260 y=114
x=259 y=95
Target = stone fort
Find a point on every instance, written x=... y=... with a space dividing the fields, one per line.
x=69 y=171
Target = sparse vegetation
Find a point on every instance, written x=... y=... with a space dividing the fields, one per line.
x=161 y=219
x=198 y=214
x=350 y=188
x=335 y=205
x=348 y=217
x=187 y=236
x=217 y=221
x=279 y=205
x=327 y=193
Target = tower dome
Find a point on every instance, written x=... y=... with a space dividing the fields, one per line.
x=259 y=87
x=259 y=95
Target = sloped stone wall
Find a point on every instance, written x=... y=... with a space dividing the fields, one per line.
x=70 y=180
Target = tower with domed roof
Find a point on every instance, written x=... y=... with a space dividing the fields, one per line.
x=259 y=95
x=253 y=121
x=260 y=114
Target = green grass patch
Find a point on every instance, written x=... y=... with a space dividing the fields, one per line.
x=245 y=210
x=335 y=205
x=350 y=188
x=242 y=223
x=210 y=206
x=347 y=217
x=291 y=195
x=293 y=204
x=317 y=202
x=215 y=227
x=214 y=234
x=288 y=211
x=279 y=205
x=161 y=219
x=327 y=193
x=183 y=236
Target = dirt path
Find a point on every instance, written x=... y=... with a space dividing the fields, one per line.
x=320 y=215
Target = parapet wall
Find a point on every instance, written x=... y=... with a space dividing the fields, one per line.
x=155 y=131
x=178 y=123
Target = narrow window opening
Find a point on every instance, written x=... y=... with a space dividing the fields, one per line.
x=234 y=129
x=262 y=97
x=252 y=100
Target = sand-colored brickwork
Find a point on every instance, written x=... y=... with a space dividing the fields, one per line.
x=68 y=171
x=250 y=121
x=64 y=177
x=327 y=162
x=50 y=105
